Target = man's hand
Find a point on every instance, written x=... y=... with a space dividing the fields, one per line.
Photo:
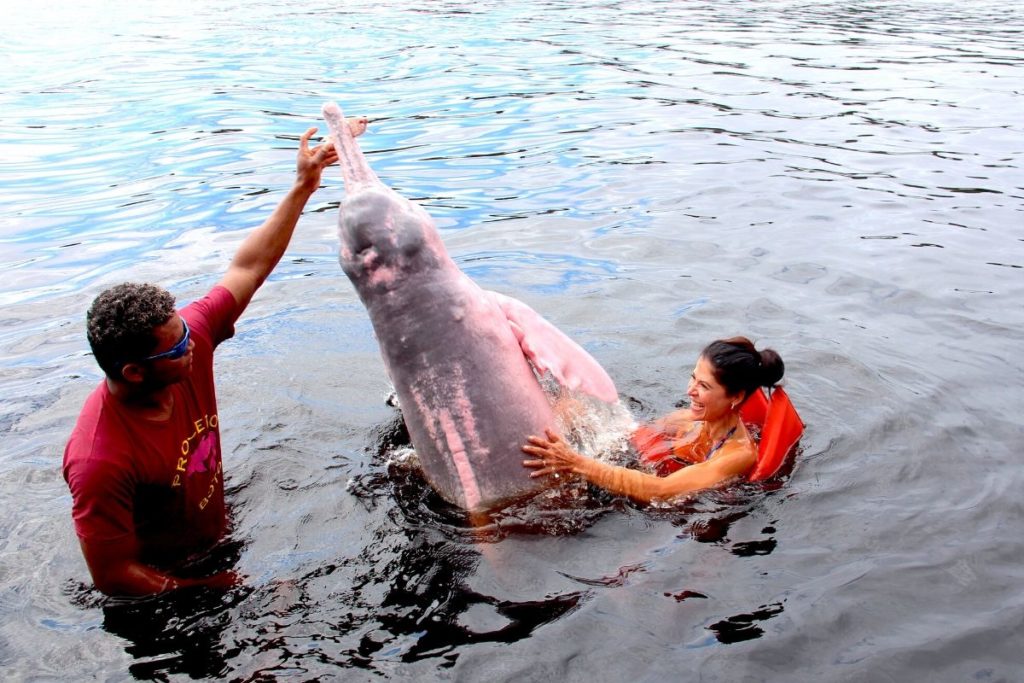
x=116 y=570
x=262 y=249
x=311 y=162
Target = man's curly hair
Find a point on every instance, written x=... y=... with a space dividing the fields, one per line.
x=121 y=321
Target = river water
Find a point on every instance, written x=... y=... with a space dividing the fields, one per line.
x=841 y=181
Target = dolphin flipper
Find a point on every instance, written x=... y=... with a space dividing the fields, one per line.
x=550 y=350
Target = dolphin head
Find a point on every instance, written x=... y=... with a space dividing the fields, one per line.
x=385 y=238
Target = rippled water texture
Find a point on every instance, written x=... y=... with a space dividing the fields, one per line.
x=840 y=181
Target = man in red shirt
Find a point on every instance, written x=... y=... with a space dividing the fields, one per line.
x=144 y=460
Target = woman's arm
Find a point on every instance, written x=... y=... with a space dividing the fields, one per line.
x=554 y=456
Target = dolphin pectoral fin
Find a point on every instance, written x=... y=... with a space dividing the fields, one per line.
x=518 y=331
x=550 y=350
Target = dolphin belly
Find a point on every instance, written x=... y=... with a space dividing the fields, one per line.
x=468 y=395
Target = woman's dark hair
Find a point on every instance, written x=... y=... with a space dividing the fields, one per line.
x=121 y=321
x=741 y=368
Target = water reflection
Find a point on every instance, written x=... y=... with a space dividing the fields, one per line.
x=740 y=627
x=176 y=633
x=428 y=611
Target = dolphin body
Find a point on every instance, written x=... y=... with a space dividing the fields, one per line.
x=464 y=361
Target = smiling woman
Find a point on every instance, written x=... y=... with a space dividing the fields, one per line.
x=704 y=445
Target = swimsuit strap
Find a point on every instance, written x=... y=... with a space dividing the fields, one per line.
x=719 y=444
x=711 y=452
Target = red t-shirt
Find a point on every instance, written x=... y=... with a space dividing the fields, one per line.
x=159 y=483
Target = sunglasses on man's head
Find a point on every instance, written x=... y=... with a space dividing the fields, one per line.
x=176 y=351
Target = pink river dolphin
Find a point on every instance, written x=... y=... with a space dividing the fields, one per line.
x=464 y=361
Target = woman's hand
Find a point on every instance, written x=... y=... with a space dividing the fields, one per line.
x=552 y=455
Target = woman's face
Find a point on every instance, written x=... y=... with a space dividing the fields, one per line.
x=708 y=399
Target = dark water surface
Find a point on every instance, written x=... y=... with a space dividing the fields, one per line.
x=839 y=180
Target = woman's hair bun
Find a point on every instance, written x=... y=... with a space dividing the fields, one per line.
x=772 y=367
